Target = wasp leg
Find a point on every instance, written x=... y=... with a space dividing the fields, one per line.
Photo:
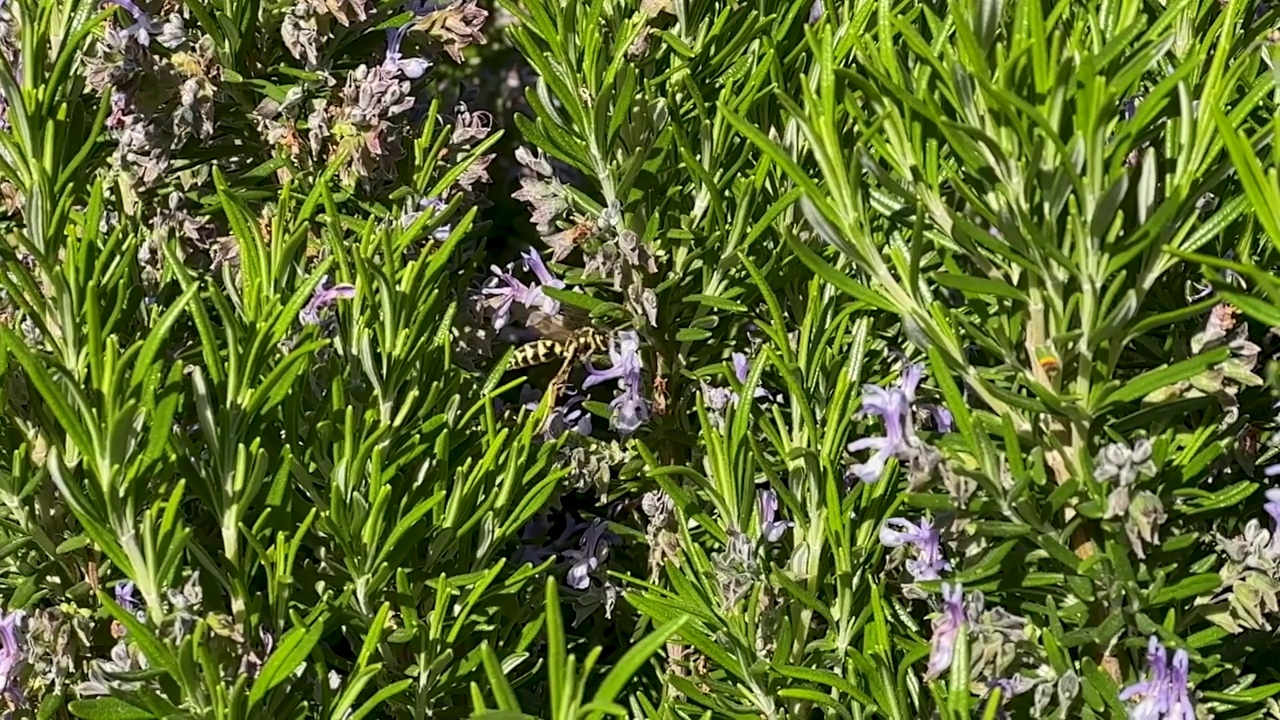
x=562 y=376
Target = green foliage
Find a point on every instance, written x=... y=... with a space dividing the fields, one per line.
x=939 y=382
x=1019 y=196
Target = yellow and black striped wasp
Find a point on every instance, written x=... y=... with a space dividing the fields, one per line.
x=561 y=337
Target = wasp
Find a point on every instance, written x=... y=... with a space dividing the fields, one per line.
x=560 y=340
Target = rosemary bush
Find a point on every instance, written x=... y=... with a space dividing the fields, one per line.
x=661 y=359
x=954 y=321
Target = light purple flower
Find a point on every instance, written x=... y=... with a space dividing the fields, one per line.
x=630 y=410
x=124 y=596
x=771 y=529
x=12 y=657
x=928 y=561
x=142 y=29
x=1164 y=694
x=1272 y=506
x=815 y=11
x=436 y=206
x=324 y=298
x=1180 y=705
x=505 y=290
x=894 y=407
x=568 y=417
x=910 y=380
x=943 y=422
x=741 y=368
x=592 y=552
x=412 y=68
x=536 y=298
x=625 y=363
x=947 y=626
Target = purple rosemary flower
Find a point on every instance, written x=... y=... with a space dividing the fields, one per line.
x=928 y=562
x=142 y=29
x=416 y=210
x=324 y=298
x=894 y=407
x=504 y=291
x=943 y=422
x=771 y=529
x=741 y=368
x=1010 y=687
x=947 y=626
x=592 y=553
x=569 y=416
x=630 y=410
x=412 y=68
x=1164 y=694
x=124 y=596
x=625 y=363
x=12 y=657
x=815 y=11
x=536 y=298
x=1272 y=506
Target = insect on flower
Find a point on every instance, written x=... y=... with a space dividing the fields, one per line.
x=563 y=242
x=560 y=339
x=660 y=396
x=1049 y=362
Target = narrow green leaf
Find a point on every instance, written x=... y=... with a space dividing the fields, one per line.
x=293 y=649
x=107 y=708
x=837 y=279
x=1258 y=185
x=1152 y=380
x=1193 y=586
x=156 y=653
x=633 y=660
x=380 y=697
x=157 y=336
x=503 y=694
x=979 y=286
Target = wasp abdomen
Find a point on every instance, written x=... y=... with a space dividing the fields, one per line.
x=535 y=353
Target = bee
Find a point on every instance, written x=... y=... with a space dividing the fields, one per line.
x=1250 y=442
x=559 y=340
x=1049 y=362
x=660 y=396
x=1051 y=365
x=1224 y=317
x=581 y=230
x=563 y=242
